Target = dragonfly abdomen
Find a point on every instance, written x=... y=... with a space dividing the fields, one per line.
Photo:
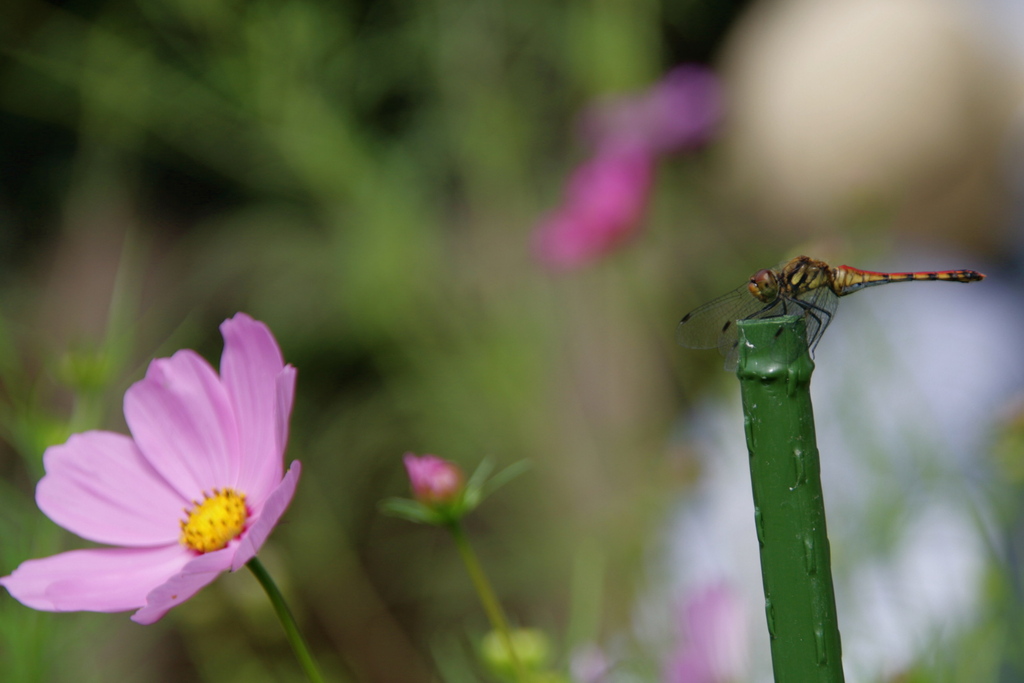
x=849 y=280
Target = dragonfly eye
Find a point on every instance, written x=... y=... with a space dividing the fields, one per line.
x=764 y=286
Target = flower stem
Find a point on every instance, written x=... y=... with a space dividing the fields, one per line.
x=492 y=607
x=287 y=620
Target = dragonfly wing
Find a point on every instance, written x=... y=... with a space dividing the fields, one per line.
x=732 y=356
x=713 y=325
x=819 y=306
x=730 y=348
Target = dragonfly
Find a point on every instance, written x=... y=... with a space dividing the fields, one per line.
x=801 y=286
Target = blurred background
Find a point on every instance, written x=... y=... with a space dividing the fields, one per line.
x=380 y=181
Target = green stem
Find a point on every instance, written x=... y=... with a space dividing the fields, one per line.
x=287 y=620
x=789 y=514
x=492 y=607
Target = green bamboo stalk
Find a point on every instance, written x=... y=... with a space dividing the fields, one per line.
x=789 y=515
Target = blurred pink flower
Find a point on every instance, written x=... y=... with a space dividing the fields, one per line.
x=434 y=481
x=604 y=203
x=590 y=664
x=193 y=492
x=679 y=112
x=606 y=196
x=713 y=648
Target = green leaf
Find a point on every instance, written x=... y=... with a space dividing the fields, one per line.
x=479 y=476
x=505 y=476
x=410 y=510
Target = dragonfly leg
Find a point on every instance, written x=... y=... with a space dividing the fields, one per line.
x=820 y=315
x=764 y=310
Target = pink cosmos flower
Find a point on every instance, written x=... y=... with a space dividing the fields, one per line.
x=606 y=196
x=193 y=492
x=714 y=644
x=433 y=479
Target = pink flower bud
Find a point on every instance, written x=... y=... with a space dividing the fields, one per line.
x=434 y=481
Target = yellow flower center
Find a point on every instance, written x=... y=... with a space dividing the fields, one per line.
x=215 y=521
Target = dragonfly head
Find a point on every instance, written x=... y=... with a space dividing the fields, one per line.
x=764 y=285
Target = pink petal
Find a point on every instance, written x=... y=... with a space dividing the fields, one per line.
x=269 y=515
x=199 y=572
x=183 y=422
x=97 y=580
x=250 y=368
x=285 y=398
x=99 y=486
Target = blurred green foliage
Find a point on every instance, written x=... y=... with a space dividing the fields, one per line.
x=363 y=176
